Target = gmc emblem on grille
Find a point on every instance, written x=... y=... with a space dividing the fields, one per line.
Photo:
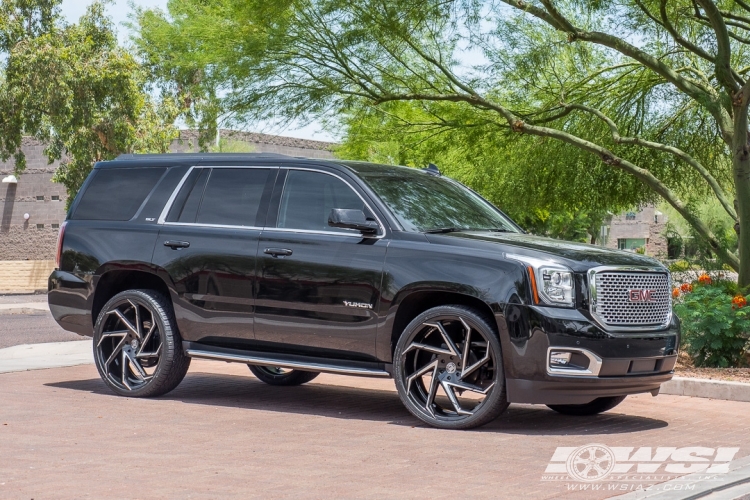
x=640 y=295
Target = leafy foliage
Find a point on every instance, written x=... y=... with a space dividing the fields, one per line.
x=635 y=99
x=715 y=330
x=71 y=86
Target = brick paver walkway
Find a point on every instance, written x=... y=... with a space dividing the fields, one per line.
x=223 y=434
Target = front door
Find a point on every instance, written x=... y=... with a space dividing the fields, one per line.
x=318 y=286
x=208 y=245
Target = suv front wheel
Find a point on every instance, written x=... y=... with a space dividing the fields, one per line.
x=137 y=348
x=448 y=369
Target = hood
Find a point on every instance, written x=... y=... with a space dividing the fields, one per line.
x=579 y=257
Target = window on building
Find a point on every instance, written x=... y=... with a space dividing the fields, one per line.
x=630 y=216
x=40 y=198
x=631 y=244
x=55 y=197
x=55 y=226
x=40 y=226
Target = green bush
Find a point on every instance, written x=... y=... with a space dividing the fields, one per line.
x=680 y=266
x=715 y=330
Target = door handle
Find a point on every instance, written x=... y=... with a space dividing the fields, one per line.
x=276 y=252
x=176 y=244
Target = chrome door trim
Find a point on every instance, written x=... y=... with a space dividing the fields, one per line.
x=170 y=201
x=294 y=365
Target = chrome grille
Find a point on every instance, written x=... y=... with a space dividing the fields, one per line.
x=611 y=300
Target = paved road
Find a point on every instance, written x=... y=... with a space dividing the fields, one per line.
x=223 y=434
x=34 y=328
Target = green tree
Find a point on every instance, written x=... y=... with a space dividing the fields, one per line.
x=656 y=90
x=71 y=86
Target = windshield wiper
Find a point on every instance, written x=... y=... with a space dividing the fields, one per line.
x=444 y=230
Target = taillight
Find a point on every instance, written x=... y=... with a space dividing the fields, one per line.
x=60 y=236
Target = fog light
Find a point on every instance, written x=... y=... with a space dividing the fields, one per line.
x=559 y=358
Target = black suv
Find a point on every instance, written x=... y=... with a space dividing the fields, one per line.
x=296 y=266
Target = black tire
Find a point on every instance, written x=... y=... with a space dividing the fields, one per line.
x=273 y=375
x=596 y=406
x=423 y=344
x=158 y=335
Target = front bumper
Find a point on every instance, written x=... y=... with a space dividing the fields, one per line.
x=619 y=364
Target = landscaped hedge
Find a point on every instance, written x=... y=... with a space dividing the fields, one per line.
x=715 y=321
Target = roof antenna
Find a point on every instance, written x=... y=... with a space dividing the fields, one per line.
x=431 y=169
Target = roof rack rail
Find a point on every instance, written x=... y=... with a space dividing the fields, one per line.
x=134 y=156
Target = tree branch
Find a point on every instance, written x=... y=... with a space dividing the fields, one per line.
x=723 y=64
x=682 y=155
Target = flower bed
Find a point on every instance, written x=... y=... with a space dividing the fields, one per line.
x=715 y=321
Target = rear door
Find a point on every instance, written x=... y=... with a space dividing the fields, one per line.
x=208 y=244
x=318 y=286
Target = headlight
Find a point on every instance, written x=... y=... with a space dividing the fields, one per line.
x=551 y=283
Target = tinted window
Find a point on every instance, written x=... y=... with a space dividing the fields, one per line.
x=309 y=197
x=117 y=193
x=232 y=196
x=423 y=202
x=185 y=206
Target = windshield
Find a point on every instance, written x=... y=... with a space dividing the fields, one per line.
x=427 y=203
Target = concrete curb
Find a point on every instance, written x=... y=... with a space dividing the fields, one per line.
x=24 y=308
x=706 y=388
x=50 y=355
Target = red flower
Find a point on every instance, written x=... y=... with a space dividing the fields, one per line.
x=704 y=279
x=739 y=302
x=676 y=292
x=686 y=287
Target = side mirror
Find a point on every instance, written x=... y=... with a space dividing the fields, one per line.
x=352 y=219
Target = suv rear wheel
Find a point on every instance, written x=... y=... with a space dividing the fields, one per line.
x=448 y=369
x=275 y=375
x=137 y=348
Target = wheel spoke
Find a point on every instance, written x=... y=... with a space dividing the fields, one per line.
x=124 y=362
x=139 y=373
x=427 y=347
x=460 y=384
x=448 y=342
x=148 y=337
x=476 y=365
x=149 y=354
x=119 y=333
x=467 y=346
x=430 y=366
x=127 y=323
x=115 y=352
x=452 y=397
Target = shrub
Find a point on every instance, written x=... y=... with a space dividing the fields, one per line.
x=715 y=322
x=680 y=266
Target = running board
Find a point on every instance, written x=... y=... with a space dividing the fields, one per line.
x=264 y=359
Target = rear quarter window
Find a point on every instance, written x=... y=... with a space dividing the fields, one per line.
x=117 y=193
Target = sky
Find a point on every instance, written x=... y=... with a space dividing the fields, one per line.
x=119 y=10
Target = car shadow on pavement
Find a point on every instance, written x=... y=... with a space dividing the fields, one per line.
x=368 y=404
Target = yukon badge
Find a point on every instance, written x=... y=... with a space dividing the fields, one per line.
x=361 y=305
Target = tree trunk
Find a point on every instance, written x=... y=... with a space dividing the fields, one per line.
x=741 y=168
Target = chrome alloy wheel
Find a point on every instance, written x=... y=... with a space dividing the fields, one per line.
x=130 y=345
x=449 y=368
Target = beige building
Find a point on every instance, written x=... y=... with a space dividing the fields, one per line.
x=638 y=231
x=34 y=207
